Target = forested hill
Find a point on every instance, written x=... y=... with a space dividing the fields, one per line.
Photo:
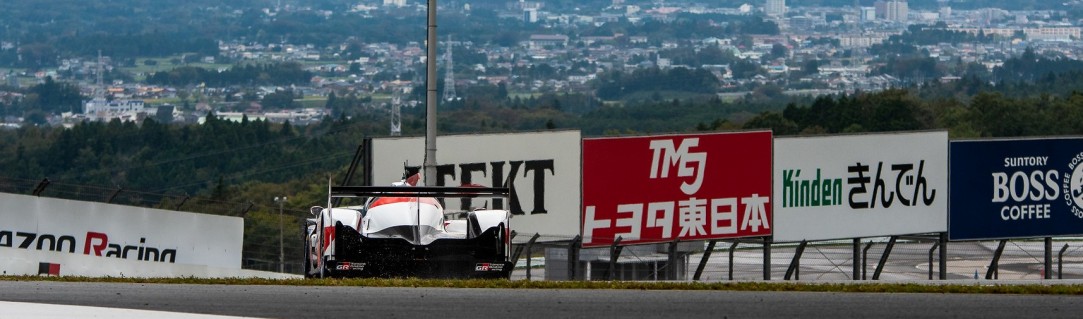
x=180 y=159
x=1035 y=96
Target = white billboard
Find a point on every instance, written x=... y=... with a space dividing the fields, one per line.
x=837 y=187
x=143 y=237
x=545 y=165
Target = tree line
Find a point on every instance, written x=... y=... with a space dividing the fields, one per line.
x=285 y=73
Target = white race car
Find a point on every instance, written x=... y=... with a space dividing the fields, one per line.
x=402 y=231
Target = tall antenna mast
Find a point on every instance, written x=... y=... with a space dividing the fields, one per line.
x=100 y=83
x=396 y=112
x=449 y=73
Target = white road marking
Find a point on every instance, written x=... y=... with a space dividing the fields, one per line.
x=48 y=311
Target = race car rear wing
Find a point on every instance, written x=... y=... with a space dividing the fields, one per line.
x=418 y=191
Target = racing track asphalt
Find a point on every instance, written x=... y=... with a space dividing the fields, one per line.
x=369 y=302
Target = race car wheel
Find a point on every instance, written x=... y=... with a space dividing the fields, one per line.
x=306 y=263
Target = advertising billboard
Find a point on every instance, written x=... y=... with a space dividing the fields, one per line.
x=837 y=187
x=545 y=167
x=1020 y=188
x=119 y=233
x=654 y=189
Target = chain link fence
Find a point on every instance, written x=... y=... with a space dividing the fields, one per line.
x=910 y=259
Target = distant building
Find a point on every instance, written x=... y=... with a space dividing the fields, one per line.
x=868 y=14
x=12 y=80
x=394 y=3
x=892 y=10
x=775 y=8
x=860 y=41
x=1063 y=34
x=945 y=12
x=100 y=109
x=530 y=15
x=539 y=41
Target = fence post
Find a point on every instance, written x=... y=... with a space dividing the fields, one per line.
x=703 y=261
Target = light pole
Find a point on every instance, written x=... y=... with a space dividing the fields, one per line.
x=281 y=253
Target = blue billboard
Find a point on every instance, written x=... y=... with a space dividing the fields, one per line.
x=1021 y=188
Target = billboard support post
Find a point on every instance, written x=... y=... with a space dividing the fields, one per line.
x=1060 y=262
x=114 y=196
x=703 y=261
x=767 y=258
x=944 y=256
x=573 y=257
x=614 y=254
x=794 y=270
x=931 y=250
x=519 y=253
x=857 y=257
x=183 y=200
x=1048 y=267
x=865 y=261
x=994 y=271
x=883 y=257
x=529 y=245
x=671 y=267
x=40 y=187
x=733 y=247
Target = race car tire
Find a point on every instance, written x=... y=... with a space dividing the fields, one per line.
x=306 y=263
x=501 y=247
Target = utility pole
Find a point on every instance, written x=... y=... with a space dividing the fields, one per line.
x=281 y=252
x=430 y=97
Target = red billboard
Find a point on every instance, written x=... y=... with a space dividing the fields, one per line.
x=690 y=187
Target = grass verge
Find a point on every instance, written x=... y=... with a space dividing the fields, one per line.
x=980 y=288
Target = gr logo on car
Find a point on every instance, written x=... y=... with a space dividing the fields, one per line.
x=350 y=266
x=489 y=267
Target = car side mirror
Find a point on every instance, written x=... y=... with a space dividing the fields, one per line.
x=315 y=210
